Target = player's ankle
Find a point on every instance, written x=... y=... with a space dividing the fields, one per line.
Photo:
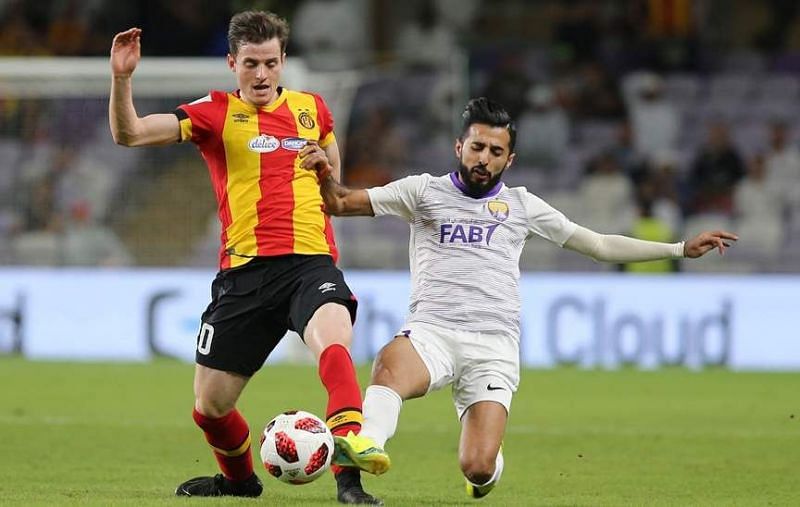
x=347 y=477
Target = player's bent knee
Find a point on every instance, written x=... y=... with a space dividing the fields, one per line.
x=382 y=372
x=385 y=373
x=478 y=476
x=216 y=391
x=398 y=367
x=478 y=470
x=390 y=360
x=330 y=325
x=213 y=409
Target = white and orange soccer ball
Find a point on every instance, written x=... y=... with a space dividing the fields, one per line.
x=296 y=447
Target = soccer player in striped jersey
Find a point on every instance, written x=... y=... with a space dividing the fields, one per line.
x=277 y=259
x=467 y=233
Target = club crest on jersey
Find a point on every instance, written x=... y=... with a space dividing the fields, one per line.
x=293 y=143
x=263 y=144
x=498 y=209
x=306 y=120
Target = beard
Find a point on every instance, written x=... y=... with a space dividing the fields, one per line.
x=477 y=188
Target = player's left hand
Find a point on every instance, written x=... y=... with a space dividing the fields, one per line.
x=313 y=157
x=707 y=241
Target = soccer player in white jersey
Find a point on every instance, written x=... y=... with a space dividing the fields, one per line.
x=461 y=220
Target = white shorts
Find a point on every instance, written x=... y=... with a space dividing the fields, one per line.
x=480 y=366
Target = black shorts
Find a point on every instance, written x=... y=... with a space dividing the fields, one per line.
x=253 y=306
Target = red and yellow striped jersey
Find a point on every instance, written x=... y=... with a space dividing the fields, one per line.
x=267 y=204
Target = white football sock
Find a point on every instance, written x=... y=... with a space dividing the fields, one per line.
x=381 y=411
x=499 y=463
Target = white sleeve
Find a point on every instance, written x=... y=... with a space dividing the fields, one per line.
x=398 y=198
x=616 y=248
x=546 y=221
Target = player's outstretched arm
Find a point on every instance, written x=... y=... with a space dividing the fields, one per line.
x=342 y=201
x=127 y=128
x=339 y=200
x=622 y=249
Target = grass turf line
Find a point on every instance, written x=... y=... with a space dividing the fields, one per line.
x=122 y=434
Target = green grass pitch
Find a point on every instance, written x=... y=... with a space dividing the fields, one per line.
x=122 y=434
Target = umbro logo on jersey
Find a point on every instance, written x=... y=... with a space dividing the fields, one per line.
x=327 y=287
x=490 y=387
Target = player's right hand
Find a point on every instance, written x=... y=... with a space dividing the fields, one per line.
x=707 y=241
x=313 y=157
x=126 y=51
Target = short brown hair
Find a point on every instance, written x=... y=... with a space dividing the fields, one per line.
x=256 y=27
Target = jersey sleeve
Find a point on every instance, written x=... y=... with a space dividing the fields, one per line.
x=325 y=121
x=199 y=119
x=399 y=198
x=546 y=221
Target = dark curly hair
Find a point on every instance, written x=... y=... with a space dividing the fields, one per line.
x=483 y=110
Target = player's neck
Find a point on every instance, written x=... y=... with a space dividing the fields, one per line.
x=455 y=177
x=275 y=98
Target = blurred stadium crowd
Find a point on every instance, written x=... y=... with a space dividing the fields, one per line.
x=654 y=118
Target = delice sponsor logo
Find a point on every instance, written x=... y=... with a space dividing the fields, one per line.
x=263 y=144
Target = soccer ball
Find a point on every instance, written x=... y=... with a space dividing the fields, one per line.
x=296 y=447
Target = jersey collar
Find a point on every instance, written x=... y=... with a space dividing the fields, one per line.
x=271 y=107
x=463 y=188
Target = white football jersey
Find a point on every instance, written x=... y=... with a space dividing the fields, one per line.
x=464 y=251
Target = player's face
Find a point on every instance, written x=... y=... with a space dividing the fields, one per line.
x=483 y=155
x=258 y=69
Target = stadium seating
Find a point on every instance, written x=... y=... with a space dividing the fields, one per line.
x=750 y=101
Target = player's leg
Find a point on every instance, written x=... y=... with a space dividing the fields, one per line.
x=398 y=374
x=328 y=335
x=415 y=362
x=323 y=311
x=235 y=338
x=488 y=377
x=409 y=366
x=479 y=451
x=226 y=431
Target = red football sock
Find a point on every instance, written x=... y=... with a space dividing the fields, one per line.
x=229 y=438
x=344 y=395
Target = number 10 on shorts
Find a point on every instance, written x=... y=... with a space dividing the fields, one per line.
x=204 y=338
